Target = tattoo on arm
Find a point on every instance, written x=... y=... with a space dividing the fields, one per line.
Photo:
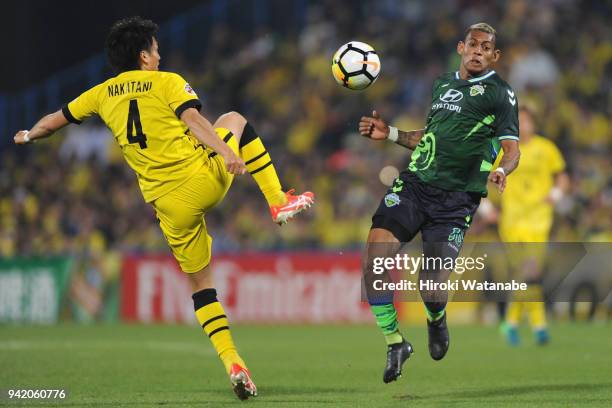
x=512 y=154
x=510 y=161
x=409 y=139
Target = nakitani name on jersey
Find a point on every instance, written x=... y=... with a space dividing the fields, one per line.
x=142 y=109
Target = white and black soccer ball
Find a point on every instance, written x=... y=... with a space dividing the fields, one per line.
x=355 y=65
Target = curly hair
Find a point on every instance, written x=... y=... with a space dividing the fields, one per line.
x=126 y=39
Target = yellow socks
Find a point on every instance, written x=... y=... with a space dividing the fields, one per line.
x=514 y=313
x=536 y=310
x=214 y=322
x=259 y=165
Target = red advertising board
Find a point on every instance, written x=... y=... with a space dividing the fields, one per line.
x=304 y=287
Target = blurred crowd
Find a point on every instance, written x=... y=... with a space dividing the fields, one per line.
x=74 y=193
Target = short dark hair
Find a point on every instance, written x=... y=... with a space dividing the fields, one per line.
x=484 y=27
x=126 y=39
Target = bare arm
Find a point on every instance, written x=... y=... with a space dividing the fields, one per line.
x=377 y=129
x=45 y=127
x=508 y=163
x=204 y=132
x=563 y=182
x=409 y=139
x=511 y=157
x=560 y=188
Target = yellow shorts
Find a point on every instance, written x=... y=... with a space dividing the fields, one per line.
x=527 y=250
x=181 y=211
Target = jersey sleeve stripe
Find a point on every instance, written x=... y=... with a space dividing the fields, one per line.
x=69 y=117
x=192 y=103
x=510 y=137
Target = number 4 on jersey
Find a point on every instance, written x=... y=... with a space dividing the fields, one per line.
x=134 y=122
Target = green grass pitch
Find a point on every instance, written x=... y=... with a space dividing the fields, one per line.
x=306 y=366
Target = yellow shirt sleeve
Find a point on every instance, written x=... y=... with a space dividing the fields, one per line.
x=179 y=95
x=83 y=106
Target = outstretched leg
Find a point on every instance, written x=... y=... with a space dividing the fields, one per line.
x=253 y=152
x=396 y=221
x=283 y=206
x=383 y=244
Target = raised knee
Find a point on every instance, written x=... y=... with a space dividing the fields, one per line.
x=234 y=118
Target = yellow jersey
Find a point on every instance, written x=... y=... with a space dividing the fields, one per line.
x=524 y=205
x=142 y=110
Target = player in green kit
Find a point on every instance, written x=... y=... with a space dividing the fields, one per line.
x=473 y=114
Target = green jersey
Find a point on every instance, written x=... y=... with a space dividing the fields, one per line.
x=468 y=118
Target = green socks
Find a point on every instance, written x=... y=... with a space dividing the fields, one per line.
x=386 y=319
x=432 y=317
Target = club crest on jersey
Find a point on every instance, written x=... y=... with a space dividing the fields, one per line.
x=391 y=200
x=189 y=89
x=477 y=90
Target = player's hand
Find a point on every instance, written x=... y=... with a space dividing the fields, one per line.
x=499 y=179
x=373 y=127
x=21 y=137
x=234 y=164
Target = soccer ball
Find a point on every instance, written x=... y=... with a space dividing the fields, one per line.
x=355 y=65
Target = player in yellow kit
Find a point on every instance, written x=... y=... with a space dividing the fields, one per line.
x=527 y=216
x=184 y=165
